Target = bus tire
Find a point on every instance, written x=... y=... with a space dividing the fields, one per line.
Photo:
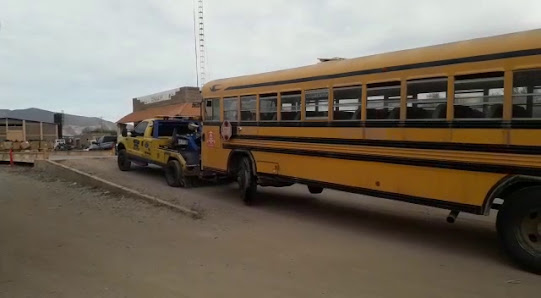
x=247 y=181
x=315 y=189
x=124 y=164
x=173 y=173
x=519 y=228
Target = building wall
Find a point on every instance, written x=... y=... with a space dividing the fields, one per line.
x=2 y=130
x=33 y=131
x=183 y=95
x=15 y=130
x=49 y=132
x=20 y=130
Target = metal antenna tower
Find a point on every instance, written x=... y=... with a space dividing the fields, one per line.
x=200 y=49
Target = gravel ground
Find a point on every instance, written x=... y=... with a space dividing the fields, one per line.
x=59 y=239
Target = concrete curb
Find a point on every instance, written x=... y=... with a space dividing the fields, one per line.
x=82 y=153
x=83 y=178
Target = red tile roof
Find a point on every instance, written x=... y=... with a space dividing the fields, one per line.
x=184 y=109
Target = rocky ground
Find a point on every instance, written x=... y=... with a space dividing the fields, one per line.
x=60 y=239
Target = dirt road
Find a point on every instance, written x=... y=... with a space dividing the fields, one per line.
x=62 y=240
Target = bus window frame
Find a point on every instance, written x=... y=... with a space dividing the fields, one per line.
x=212 y=99
x=322 y=118
x=280 y=98
x=394 y=83
x=479 y=72
x=360 y=105
x=266 y=95
x=421 y=80
x=237 y=99
x=515 y=95
x=256 y=98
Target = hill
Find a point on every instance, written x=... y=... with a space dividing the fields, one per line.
x=73 y=124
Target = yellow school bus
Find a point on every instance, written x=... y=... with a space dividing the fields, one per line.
x=455 y=126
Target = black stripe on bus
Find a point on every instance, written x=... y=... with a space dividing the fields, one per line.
x=479 y=58
x=444 y=164
x=382 y=124
x=492 y=124
x=493 y=148
x=382 y=194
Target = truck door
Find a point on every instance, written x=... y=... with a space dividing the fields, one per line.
x=146 y=141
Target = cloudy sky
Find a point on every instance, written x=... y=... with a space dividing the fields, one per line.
x=90 y=57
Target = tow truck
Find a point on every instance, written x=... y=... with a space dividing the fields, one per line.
x=174 y=143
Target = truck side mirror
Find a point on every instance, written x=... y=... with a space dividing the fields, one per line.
x=124 y=132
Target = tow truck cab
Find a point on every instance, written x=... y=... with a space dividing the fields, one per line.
x=170 y=142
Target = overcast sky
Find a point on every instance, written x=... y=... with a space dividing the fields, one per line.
x=90 y=57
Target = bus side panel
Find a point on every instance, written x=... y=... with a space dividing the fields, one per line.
x=479 y=136
x=435 y=135
x=426 y=134
x=525 y=137
x=311 y=132
x=456 y=186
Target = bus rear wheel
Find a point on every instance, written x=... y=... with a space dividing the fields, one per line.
x=519 y=228
x=247 y=181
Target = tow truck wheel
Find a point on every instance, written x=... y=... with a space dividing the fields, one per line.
x=247 y=181
x=173 y=174
x=519 y=228
x=124 y=164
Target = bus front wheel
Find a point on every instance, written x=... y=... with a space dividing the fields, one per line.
x=519 y=228
x=247 y=181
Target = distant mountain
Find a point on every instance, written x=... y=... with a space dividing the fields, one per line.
x=73 y=124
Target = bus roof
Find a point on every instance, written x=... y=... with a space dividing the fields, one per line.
x=501 y=46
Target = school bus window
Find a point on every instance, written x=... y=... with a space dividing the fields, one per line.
x=527 y=94
x=231 y=109
x=347 y=103
x=479 y=96
x=212 y=109
x=268 y=107
x=291 y=106
x=317 y=104
x=383 y=101
x=427 y=99
x=248 y=109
